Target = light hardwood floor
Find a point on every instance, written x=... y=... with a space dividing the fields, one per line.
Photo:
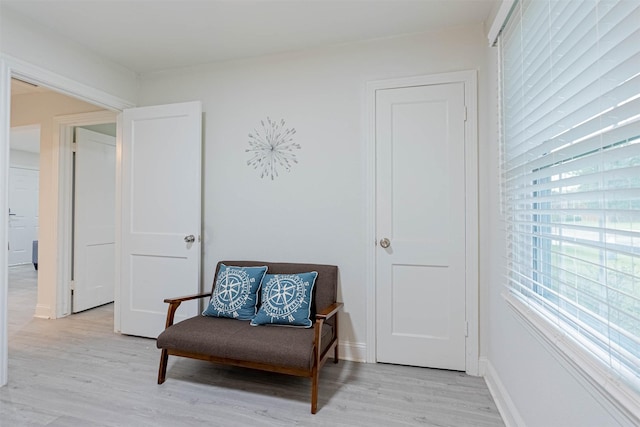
x=76 y=372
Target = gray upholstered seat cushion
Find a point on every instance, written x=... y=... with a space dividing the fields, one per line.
x=236 y=339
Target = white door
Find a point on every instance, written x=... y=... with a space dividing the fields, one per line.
x=161 y=162
x=94 y=262
x=420 y=197
x=23 y=214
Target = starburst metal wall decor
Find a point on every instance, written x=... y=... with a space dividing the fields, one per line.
x=272 y=148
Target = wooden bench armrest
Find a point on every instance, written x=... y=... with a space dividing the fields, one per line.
x=174 y=303
x=178 y=300
x=329 y=311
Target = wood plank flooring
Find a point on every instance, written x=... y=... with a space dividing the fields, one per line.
x=76 y=372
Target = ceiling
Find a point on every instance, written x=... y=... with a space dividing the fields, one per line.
x=146 y=36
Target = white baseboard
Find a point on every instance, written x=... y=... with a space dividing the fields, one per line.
x=482 y=366
x=43 y=312
x=506 y=407
x=353 y=351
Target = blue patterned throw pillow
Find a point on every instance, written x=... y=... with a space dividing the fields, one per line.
x=286 y=300
x=235 y=294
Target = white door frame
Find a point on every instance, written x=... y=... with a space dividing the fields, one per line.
x=63 y=143
x=13 y=67
x=470 y=80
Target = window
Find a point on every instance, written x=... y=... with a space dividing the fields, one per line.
x=570 y=96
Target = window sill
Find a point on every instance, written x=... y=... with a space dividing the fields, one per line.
x=596 y=379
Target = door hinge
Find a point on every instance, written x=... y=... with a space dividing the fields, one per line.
x=72 y=286
x=466 y=329
x=74 y=147
x=464 y=113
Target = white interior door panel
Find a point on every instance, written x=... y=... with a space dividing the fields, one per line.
x=420 y=218
x=161 y=214
x=94 y=262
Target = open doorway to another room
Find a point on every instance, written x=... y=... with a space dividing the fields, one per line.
x=34 y=163
x=24 y=173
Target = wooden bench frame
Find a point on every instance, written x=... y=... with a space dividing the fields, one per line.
x=318 y=361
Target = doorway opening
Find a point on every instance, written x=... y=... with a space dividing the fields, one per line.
x=42 y=128
x=24 y=172
x=50 y=298
x=23 y=195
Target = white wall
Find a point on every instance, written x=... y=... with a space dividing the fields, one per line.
x=24 y=159
x=317 y=212
x=31 y=44
x=25 y=138
x=529 y=382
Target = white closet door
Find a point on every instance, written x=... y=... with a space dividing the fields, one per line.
x=421 y=226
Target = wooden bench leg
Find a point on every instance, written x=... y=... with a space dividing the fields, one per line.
x=335 y=350
x=162 y=371
x=314 y=390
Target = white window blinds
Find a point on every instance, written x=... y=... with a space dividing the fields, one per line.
x=571 y=170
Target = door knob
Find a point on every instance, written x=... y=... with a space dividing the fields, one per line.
x=385 y=243
x=190 y=238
